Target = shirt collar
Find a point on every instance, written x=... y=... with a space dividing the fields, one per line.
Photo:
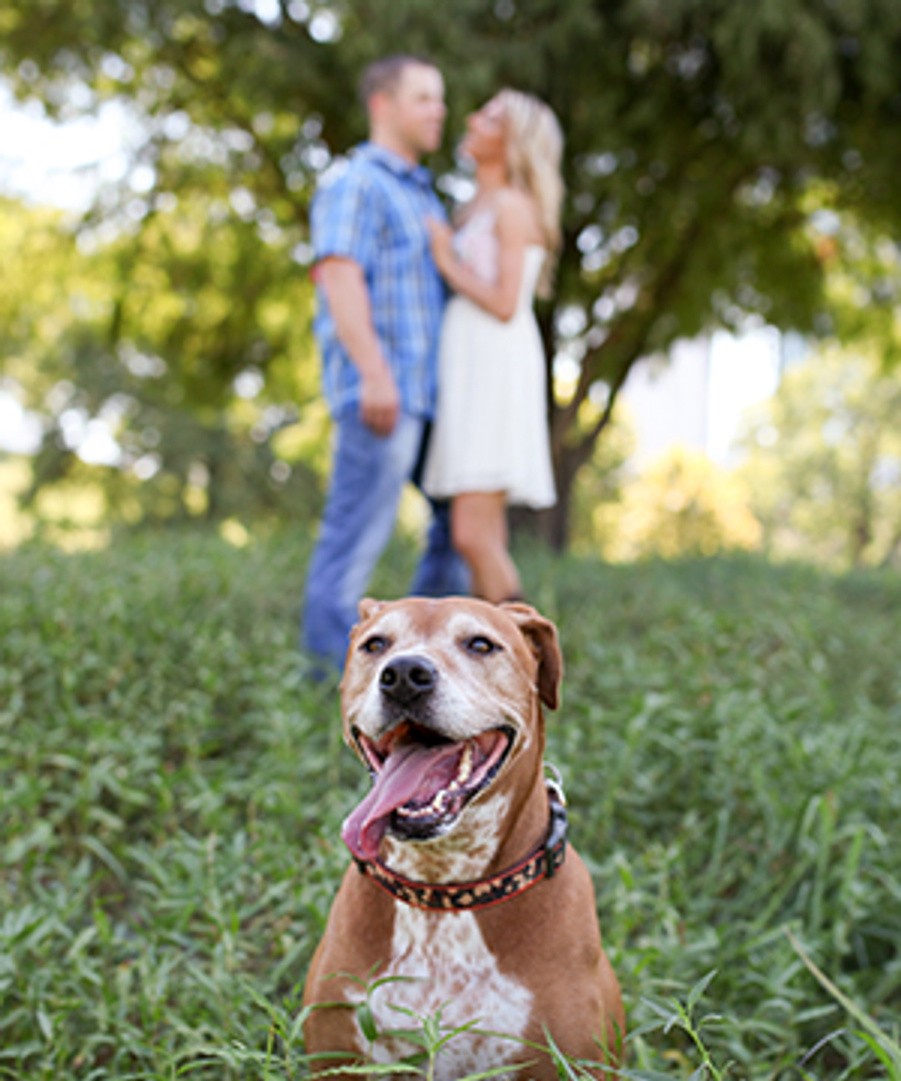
x=394 y=163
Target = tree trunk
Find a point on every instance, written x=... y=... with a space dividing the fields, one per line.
x=552 y=526
x=627 y=341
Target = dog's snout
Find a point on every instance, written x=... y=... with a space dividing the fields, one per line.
x=406 y=678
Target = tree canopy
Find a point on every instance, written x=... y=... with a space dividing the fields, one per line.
x=706 y=140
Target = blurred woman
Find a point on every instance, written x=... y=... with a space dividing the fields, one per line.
x=490 y=446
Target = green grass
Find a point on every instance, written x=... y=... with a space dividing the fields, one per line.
x=172 y=789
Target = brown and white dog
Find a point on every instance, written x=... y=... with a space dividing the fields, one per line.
x=464 y=885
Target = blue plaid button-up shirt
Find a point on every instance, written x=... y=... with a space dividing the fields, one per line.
x=373 y=211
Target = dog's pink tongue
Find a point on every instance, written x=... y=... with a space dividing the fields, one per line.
x=401 y=777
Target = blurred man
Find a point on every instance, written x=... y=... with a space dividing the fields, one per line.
x=381 y=300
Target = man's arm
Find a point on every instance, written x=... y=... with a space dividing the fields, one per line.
x=347 y=294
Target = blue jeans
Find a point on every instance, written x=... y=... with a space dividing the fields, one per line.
x=368 y=475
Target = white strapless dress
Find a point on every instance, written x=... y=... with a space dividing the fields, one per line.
x=491 y=432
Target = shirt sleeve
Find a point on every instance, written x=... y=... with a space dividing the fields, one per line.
x=344 y=220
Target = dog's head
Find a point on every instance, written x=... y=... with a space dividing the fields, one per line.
x=440 y=699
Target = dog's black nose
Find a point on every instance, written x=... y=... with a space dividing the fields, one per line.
x=406 y=678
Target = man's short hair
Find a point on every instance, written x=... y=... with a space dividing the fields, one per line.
x=383 y=76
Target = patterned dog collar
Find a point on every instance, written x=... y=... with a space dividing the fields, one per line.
x=544 y=862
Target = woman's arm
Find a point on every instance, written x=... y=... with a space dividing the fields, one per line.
x=515 y=228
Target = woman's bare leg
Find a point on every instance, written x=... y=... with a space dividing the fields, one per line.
x=479 y=530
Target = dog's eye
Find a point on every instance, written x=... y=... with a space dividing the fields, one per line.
x=376 y=644
x=480 y=644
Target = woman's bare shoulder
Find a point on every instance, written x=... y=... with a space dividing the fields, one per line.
x=516 y=212
x=513 y=201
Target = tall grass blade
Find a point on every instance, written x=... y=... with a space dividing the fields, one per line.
x=891 y=1049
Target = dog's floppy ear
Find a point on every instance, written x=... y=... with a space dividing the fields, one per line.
x=368 y=607
x=541 y=635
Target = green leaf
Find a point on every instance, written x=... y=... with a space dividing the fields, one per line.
x=366 y=1022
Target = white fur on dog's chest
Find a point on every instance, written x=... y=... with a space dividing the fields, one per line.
x=447 y=965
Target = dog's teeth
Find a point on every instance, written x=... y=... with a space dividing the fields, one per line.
x=433 y=808
x=465 y=770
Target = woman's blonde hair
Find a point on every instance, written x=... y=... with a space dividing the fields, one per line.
x=534 y=155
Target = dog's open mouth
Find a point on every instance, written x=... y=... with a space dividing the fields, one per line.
x=421 y=783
